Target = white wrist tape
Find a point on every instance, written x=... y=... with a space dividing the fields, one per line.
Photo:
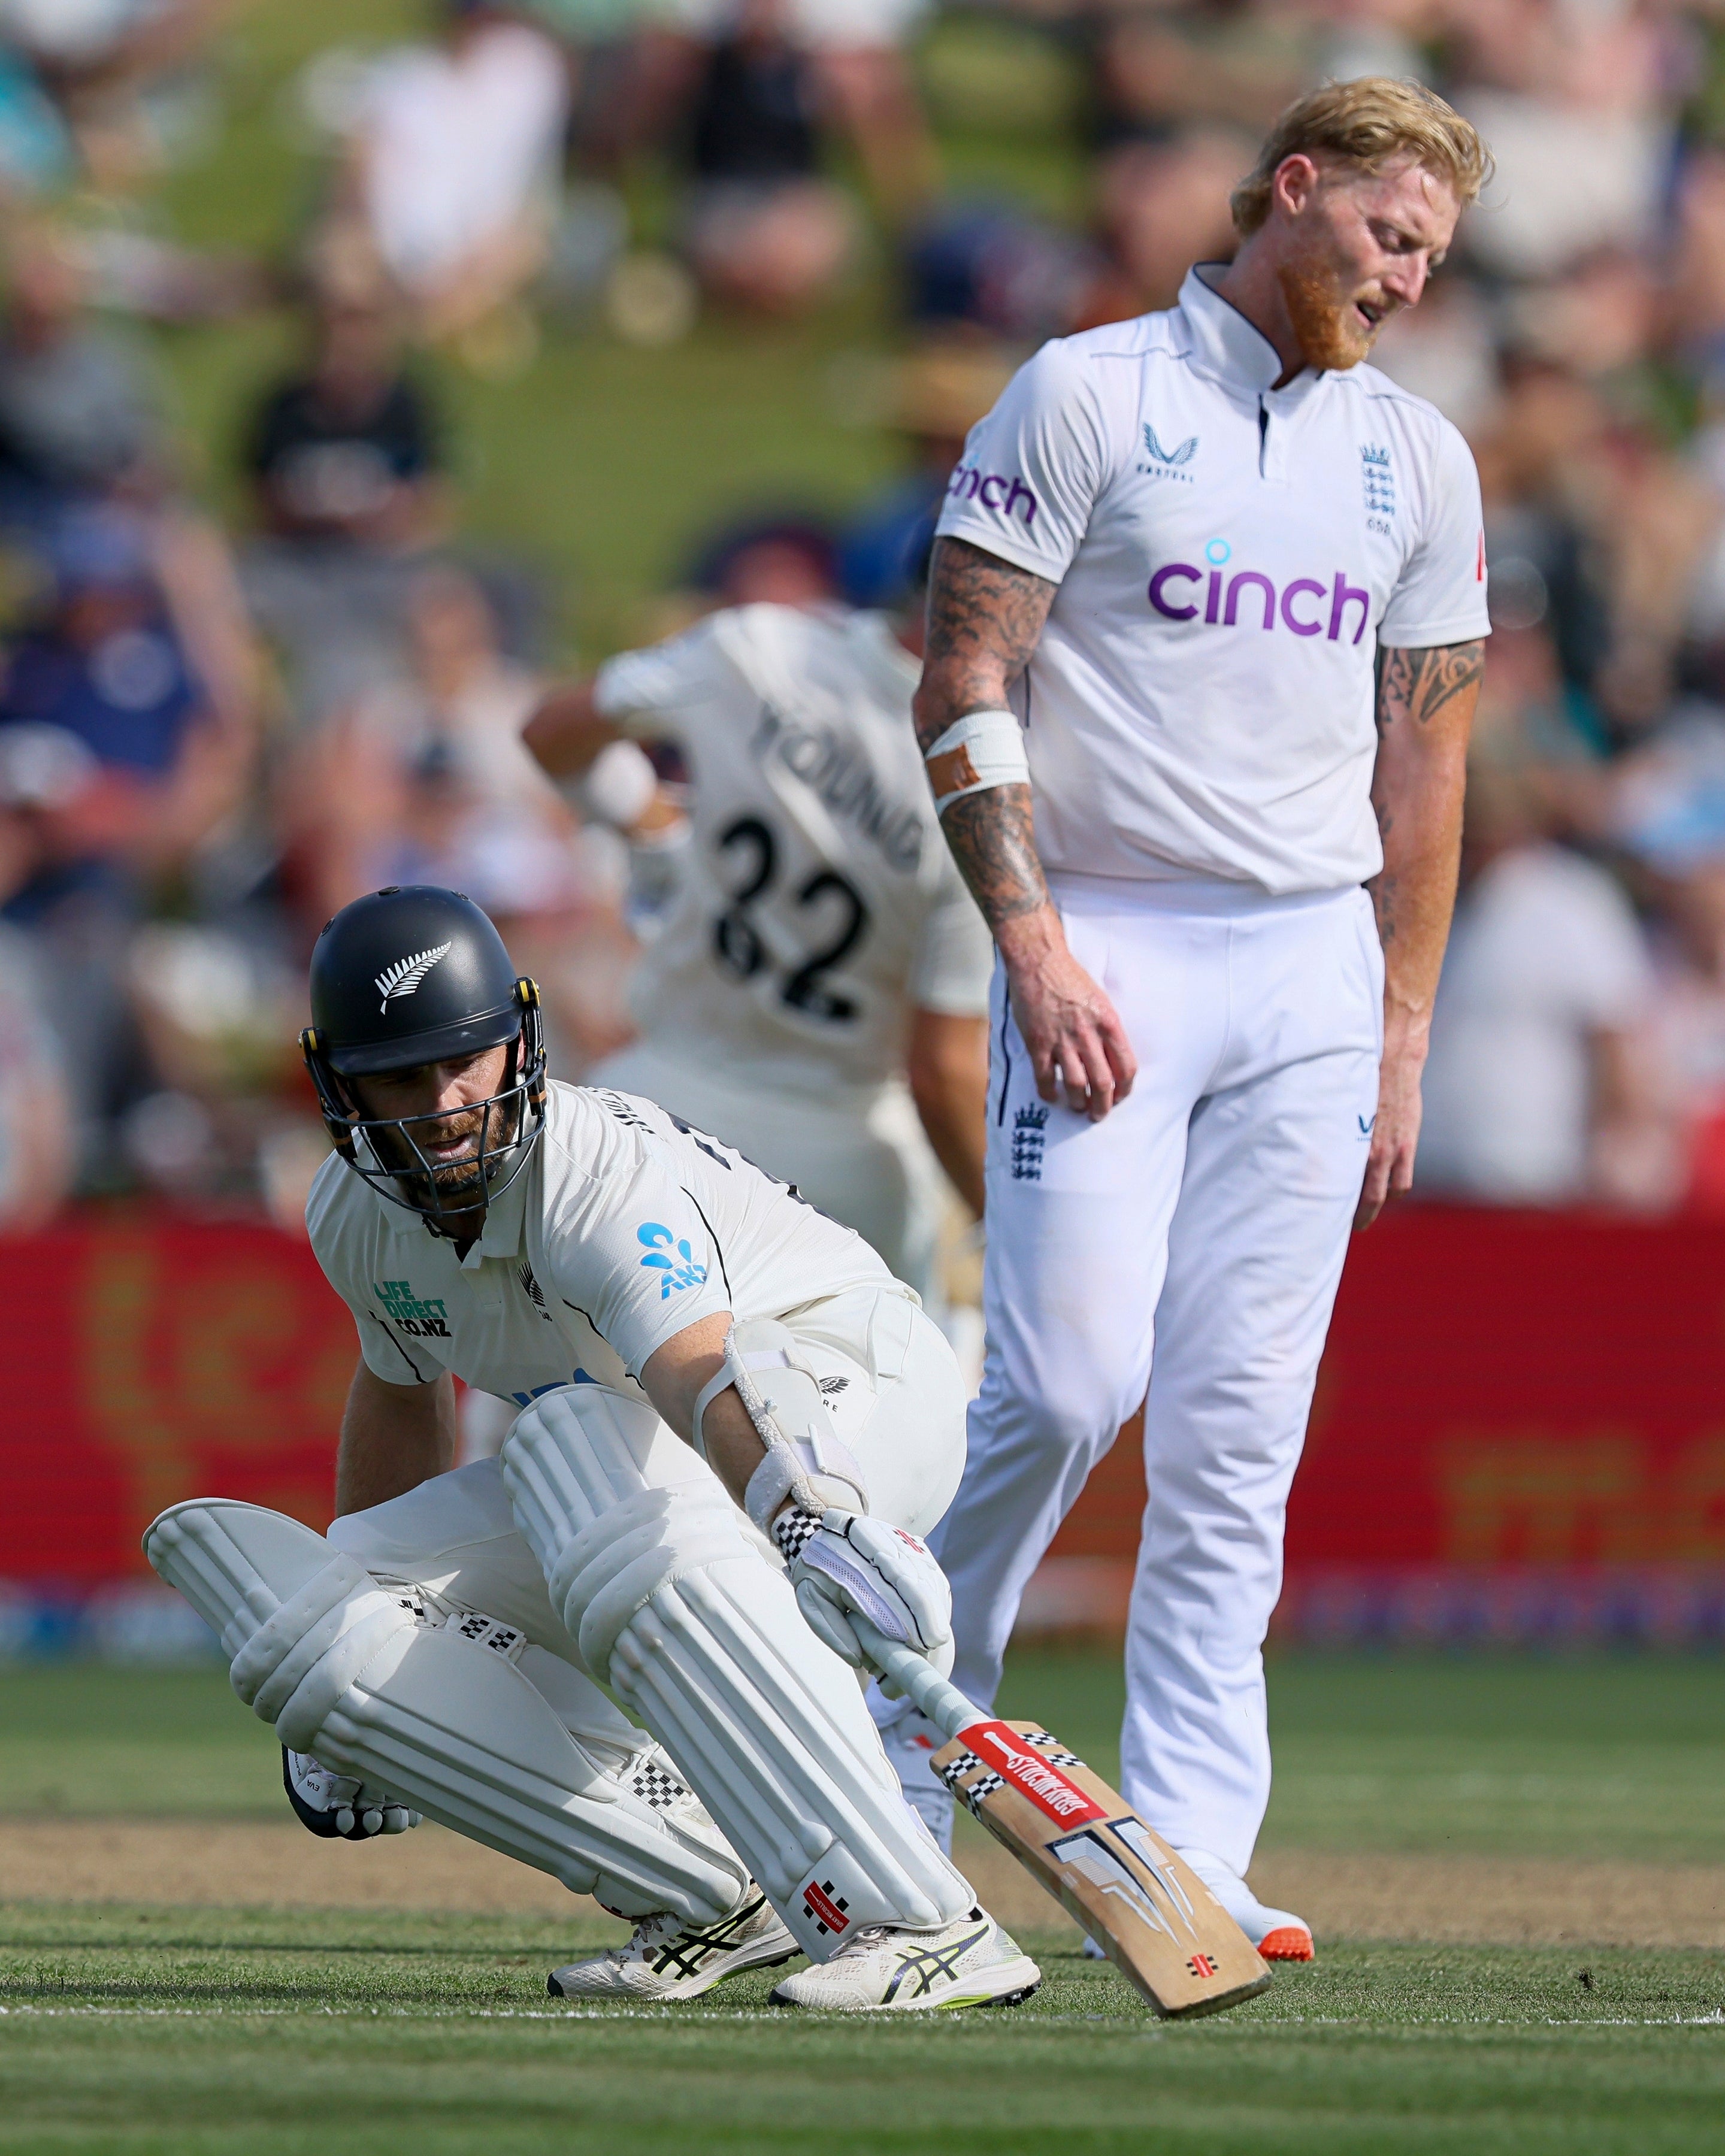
x=982 y=749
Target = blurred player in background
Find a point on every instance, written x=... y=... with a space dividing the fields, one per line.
x=1178 y=544
x=821 y=981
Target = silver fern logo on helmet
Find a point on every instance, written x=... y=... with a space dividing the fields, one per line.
x=403 y=977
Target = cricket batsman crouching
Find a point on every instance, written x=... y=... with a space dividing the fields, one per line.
x=734 y=1424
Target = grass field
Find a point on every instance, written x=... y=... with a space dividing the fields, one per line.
x=131 y=2026
x=243 y=2023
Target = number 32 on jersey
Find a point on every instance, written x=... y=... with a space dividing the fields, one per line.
x=825 y=904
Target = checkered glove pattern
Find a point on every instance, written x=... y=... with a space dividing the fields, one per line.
x=849 y=1564
x=792 y=1530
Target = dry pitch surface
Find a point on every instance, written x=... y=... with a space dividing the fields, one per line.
x=1516 y=1870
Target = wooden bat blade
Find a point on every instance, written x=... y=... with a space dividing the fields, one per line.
x=1152 y=1916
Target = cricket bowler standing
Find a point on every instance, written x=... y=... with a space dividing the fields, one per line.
x=734 y=1421
x=1205 y=638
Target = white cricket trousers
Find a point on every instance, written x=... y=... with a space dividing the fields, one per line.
x=1208 y=1213
x=859 y=1154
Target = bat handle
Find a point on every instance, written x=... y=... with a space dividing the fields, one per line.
x=946 y=1706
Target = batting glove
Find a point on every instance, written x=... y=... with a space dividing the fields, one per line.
x=337 y=1806
x=843 y=1562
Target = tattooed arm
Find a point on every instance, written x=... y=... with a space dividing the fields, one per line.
x=984 y=618
x=1426 y=706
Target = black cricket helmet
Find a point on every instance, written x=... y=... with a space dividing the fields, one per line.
x=413 y=975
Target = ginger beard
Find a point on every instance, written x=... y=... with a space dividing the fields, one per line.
x=1321 y=292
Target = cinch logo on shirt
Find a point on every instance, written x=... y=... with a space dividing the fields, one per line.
x=422 y=1320
x=1303 y=605
x=671 y=1257
x=968 y=484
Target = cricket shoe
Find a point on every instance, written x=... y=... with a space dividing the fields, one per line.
x=1276 y=1934
x=910 y=1741
x=666 y=1958
x=887 y=1968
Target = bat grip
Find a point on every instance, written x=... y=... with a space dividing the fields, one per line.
x=946 y=1706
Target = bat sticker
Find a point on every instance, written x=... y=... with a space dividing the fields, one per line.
x=1089 y=1856
x=1031 y=1773
x=1136 y=1836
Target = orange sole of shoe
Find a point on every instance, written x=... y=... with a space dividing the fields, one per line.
x=1286 y=1942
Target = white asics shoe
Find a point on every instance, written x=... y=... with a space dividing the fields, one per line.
x=911 y=1740
x=666 y=1958
x=889 y=1969
x=1276 y=1934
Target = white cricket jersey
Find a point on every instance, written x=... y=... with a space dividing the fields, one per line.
x=624 y=1228
x=820 y=901
x=1230 y=556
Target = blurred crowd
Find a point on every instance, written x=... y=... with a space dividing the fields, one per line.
x=214 y=730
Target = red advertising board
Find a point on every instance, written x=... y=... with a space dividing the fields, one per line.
x=1503 y=1393
x=149 y=1359
x=1500 y=1390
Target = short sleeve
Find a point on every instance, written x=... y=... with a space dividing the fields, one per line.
x=954 y=960
x=1031 y=471
x=1440 y=596
x=637 y=691
x=330 y=1225
x=638 y=1261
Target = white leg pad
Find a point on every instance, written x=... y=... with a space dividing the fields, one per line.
x=667 y=1596
x=343 y=1670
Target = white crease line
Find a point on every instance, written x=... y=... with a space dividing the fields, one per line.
x=670 y=2016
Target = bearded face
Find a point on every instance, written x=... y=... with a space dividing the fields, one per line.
x=443 y=1159
x=1348 y=261
x=1336 y=314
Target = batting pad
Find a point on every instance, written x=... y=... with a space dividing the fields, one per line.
x=666 y=1594
x=442 y=1720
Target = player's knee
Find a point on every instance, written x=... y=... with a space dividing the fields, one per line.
x=328 y=1618
x=1056 y=1416
x=605 y=1575
x=606 y=1538
x=578 y=1453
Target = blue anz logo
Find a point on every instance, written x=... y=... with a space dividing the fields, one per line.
x=671 y=1256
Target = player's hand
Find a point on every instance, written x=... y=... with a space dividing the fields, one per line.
x=1077 y=1042
x=1395 y=1133
x=338 y=1807
x=850 y=1562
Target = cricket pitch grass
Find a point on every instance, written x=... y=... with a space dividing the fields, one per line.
x=1516 y=1868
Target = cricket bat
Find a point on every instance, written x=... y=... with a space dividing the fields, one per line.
x=1150 y=1913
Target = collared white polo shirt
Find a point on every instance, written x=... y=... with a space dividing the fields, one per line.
x=1230 y=556
x=625 y=1228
